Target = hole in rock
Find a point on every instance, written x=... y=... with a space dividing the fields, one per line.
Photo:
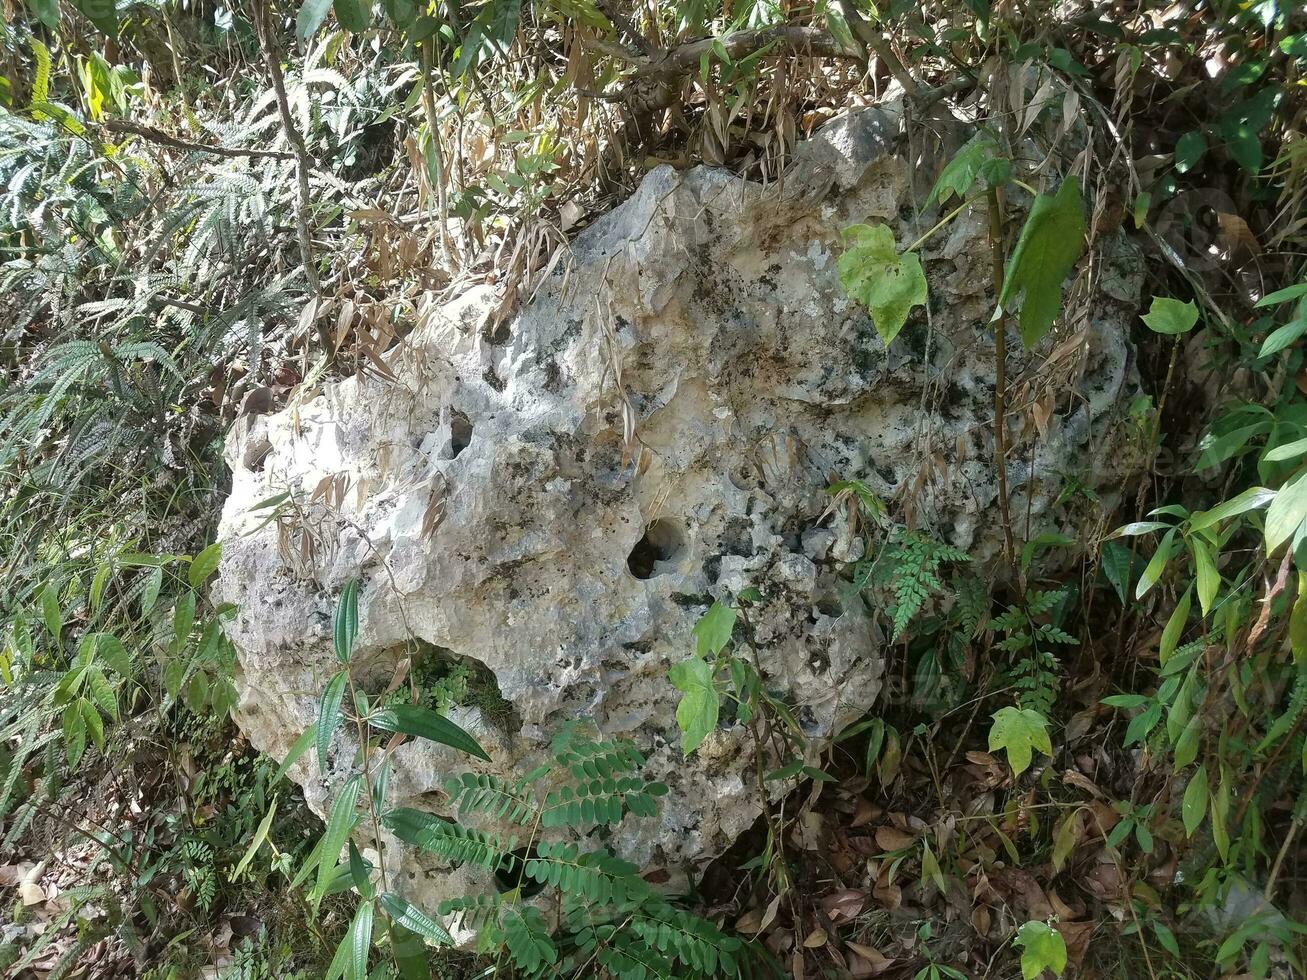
x=460 y=433
x=662 y=542
x=511 y=873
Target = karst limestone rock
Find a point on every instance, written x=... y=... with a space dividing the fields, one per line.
x=560 y=498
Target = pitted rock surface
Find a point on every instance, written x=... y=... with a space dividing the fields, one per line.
x=560 y=501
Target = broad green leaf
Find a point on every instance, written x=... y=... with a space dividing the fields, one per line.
x=1156 y=565
x=1287 y=511
x=1189 y=149
x=310 y=17
x=1116 y=568
x=1194 y=807
x=1020 y=731
x=101 y=691
x=360 y=940
x=1209 y=579
x=1290 y=450
x=930 y=870
x=1282 y=337
x=46 y=11
x=1186 y=747
x=1042 y=948
x=345 y=626
x=1284 y=295
x=204 y=565
x=1047 y=250
x=339 y=824
x=183 y=618
x=1139 y=527
x=977 y=159
x=352 y=14
x=1166 y=937
x=1251 y=499
x=1174 y=628
x=713 y=630
x=150 y=593
x=410 y=953
x=97 y=585
x=412 y=719
x=260 y=835
x=296 y=752
x=888 y=284
x=696 y=714
x=110 y=651
x=74 y=733
x=50 y=612
x=414 y=919
x=329 y=715
x=102 y=13
x=1170 y=316
x=342 y=962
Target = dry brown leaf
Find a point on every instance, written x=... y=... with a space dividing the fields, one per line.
x=844 y=905
x=864 y=813
x=31 y=893
x=892 y=839
x=867 y=961
x=815 y=938
x=796 y=966
x=886 y=892
x=981 y=920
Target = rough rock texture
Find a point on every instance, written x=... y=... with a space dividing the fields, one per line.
x=561 y=500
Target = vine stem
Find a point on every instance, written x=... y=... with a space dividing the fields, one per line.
x=1000 y=368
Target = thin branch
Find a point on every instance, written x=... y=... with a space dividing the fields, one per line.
x=624 y=26
x=123 y=127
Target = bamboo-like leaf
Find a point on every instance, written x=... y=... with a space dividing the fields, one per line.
x=360 y=939
x=1194 y=807
x=339 y=824
x=329 y=714
x=413 y=918
x=204 y=564
x=346 y=625
x=412 y=719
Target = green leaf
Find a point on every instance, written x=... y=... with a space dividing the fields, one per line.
x=1287 y=511
x=260 y=835
x=360 y=940
x=102 y=13
x=111 y=652
x=1189 y=149
x=296 y=752
x=978 y=158
x=50 y=612
x=714 y=629
x=412 y=719
x=696 y=714
x=1282 y=337
x=352 y=14
x=888 y=284
x=329 y=714
x=97 y=585
x=1156 y=565
x=1290 y=450
x=1166 y=937
x=183 y=618
x=204 y=564
x=1116 y=568
x=345 y=626
x=1209 y=579
x=413 y=918
x=1170 y=316
x=46 y=11
x=1283 y=295
x=1174 y=628
x=74 y=733
x=1251 y=499
x=339 y=824
x=1020 y=731
x=309 y=19
x=1047 y=250
x=1042 y=948
x=150 y=593
x=1194 y=807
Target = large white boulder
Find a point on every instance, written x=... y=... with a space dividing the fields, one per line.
x=560 y=499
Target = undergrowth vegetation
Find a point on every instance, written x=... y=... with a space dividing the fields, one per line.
x=1092 y=752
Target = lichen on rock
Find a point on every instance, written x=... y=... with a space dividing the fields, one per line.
x=559 y=503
